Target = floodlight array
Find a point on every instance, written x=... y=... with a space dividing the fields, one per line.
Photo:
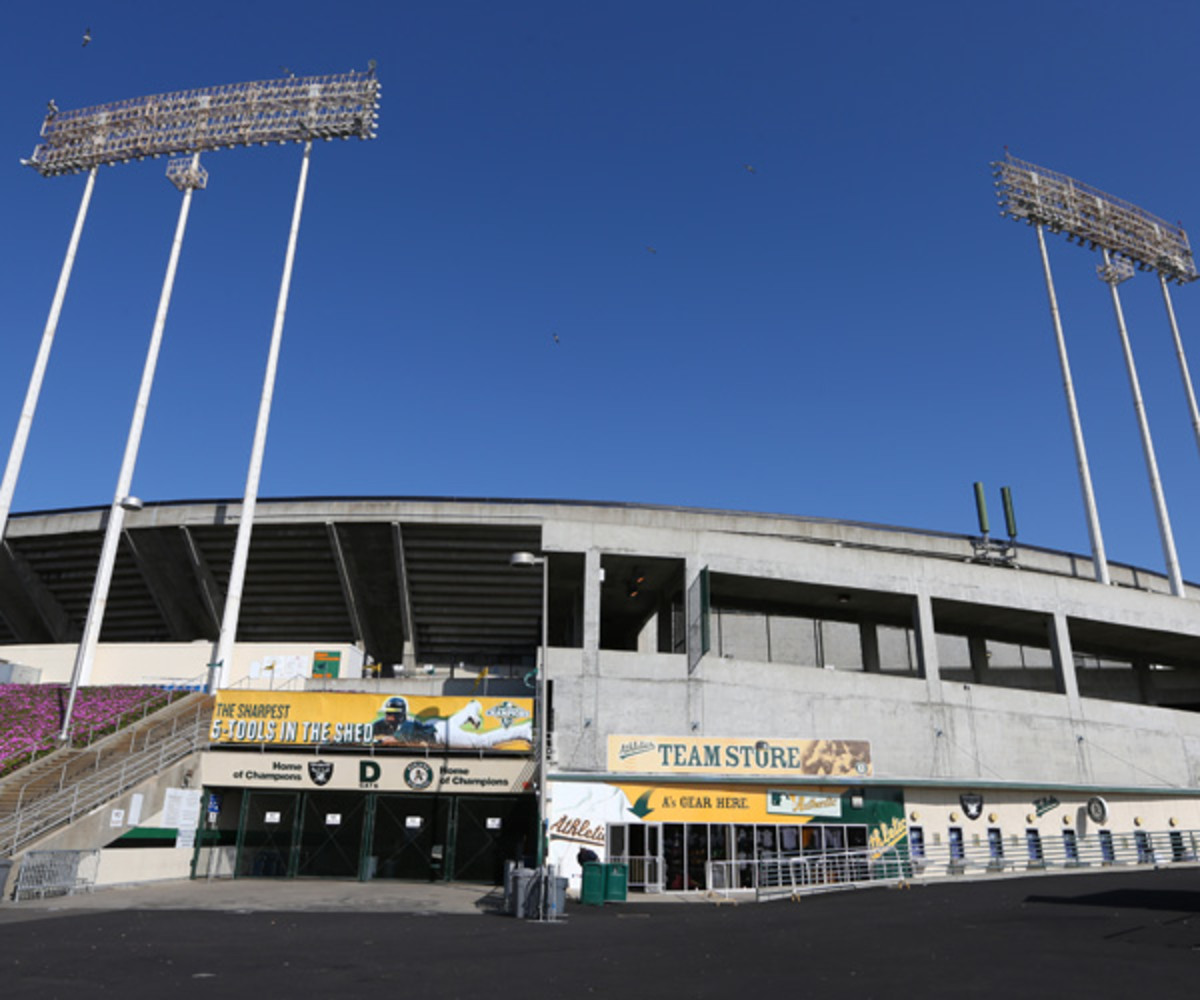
x=294 y=109
x=1042 y=197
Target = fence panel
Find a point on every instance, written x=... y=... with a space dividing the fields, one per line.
x=56 y=873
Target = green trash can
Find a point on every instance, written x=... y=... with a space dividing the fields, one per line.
x=592 y=889
x=616 y=882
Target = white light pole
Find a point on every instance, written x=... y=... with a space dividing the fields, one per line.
x=528 y=559
x=9 y=484
x=187 y=175
x=241 y=549
x=1099 y=560
x=1182 y=359
x=1112 y=273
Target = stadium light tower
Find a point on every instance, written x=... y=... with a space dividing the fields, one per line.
x=1003 y=171
x=1128 y=237
x=294 y=109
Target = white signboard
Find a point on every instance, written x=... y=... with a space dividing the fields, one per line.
x=412 y=822
x=117 y=818
x=383 y=773
x=785 y=803
x=135 y=808
x=271 y=817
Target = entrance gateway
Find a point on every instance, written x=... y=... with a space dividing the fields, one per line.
x=352 y=817
x=358 y=785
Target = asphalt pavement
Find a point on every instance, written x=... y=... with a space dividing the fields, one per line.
x=1098 y=934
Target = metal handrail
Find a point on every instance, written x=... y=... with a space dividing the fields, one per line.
x=83 y=738
x=1050 y=852
x=71 y=767
x=100 y=785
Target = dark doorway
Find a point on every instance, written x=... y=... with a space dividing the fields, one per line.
x=490 y=830
x=267 y=833
x=330 y=843
x=410 y=835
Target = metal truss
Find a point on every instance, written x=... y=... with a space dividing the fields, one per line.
x=1043 y=197
x=294 y=109
x=185 y=172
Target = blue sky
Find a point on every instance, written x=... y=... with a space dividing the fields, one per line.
x=848 y=331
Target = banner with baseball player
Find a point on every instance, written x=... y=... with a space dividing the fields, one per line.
x=324 y=718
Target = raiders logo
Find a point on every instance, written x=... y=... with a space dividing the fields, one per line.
x=320 y=771
x=972 y=804
x=418 y=775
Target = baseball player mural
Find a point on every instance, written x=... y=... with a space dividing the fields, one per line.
x=357 y=719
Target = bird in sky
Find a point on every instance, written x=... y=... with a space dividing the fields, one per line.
x=87 y=36
x=555 y=336
x=652 y=249
x=749 y=168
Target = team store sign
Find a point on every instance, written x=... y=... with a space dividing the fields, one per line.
x=738 y=757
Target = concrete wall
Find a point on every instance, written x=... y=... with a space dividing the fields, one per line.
x=972 y=734
x=131 y=865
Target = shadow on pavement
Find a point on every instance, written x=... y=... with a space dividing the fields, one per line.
x=1173 y=900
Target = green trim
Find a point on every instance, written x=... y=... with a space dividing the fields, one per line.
x=150 y=833
x=875 y=782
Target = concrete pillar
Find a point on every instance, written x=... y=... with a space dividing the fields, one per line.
x=1063 y=658
x=868 y=641
x=695 y=682
x=927 y=655
x=589 y=749
x=648 y=636
x=977 y=650
x=1145 y=683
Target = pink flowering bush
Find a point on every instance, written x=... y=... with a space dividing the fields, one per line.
x=31 y=716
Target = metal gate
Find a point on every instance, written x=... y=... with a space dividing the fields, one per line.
x=266 y=834
x=56 y=873
x=330 y=843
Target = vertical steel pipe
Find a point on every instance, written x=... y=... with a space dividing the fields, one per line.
x=1139 y=409
x=1099 y=561
x=241 y=550
x=8 y=485
x=86 y=653
x=1182 y=358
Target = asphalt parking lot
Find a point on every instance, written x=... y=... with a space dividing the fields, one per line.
x=1105 y=935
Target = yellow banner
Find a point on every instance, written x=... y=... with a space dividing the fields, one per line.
x=326 y=718
x=774 y=758
x=727 y=804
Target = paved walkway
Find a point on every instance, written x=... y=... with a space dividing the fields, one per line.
x=1098 y=935
x=268 y=895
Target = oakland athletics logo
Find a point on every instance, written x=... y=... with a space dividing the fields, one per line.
x=418 y=775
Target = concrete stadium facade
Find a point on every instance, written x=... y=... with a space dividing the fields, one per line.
x=969 y=702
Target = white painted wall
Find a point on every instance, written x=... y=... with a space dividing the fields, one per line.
x=255 y=665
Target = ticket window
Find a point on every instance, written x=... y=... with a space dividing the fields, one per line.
x=995 y=846
x=957 y=849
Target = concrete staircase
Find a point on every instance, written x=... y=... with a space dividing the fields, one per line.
x=53 y=791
